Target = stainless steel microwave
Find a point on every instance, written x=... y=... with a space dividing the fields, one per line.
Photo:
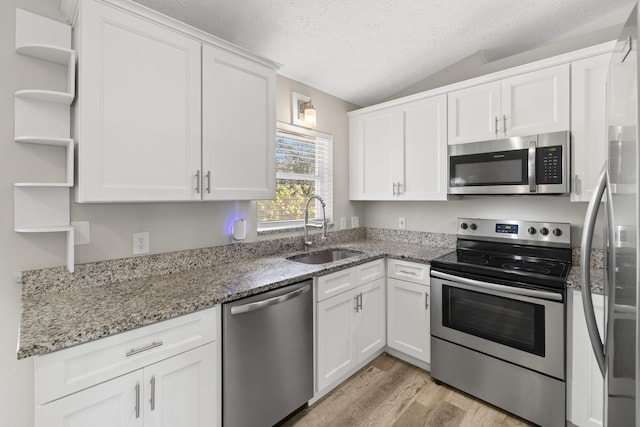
x=536 y=164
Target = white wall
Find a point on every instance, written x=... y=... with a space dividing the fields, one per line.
x=441 y=217
x=172 y=226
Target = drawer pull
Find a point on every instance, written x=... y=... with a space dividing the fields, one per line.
x=410 y=273
x=138 y=400
x=134 y=351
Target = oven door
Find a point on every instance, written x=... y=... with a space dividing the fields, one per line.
x=522 y=326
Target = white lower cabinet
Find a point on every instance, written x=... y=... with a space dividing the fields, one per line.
x=351 y=326
x=182 y=387
x=110 y=404
x=408 y=313
x=585 y=385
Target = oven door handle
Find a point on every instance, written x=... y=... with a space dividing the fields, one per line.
x=501 y=288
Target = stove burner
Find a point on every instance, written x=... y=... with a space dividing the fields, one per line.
x=530 y=267
x=469 y=258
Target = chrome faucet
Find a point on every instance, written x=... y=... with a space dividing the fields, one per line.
x=308 y=224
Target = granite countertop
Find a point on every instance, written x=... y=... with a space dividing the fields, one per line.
x=59 y=319
x=597 y=279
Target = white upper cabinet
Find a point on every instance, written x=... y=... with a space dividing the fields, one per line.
x=530 y=103
x=588 y=123
x=138 y=111
x=399 y=153
x=473 y=112
x=160 y=117
x=238 y=126
x=371 y=147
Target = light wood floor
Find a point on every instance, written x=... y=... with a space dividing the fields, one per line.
x=389 y=392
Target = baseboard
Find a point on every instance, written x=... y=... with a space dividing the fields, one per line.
x=409 y=359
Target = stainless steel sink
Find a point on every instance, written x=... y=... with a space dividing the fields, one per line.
x=323 y=257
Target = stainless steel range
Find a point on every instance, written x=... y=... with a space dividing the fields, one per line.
x=498 y=315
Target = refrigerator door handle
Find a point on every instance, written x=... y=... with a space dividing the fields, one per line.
x=585 y=264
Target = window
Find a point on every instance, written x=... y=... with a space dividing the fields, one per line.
x=304 y=168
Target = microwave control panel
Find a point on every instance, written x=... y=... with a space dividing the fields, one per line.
x=549 y=165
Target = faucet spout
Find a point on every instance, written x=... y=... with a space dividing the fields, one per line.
x=307 y=224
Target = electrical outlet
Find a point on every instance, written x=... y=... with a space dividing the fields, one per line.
x=355 y=222
x=343 y=222
x=141 y=243
x=401 y=222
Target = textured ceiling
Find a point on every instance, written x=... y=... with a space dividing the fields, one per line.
x=363 y=51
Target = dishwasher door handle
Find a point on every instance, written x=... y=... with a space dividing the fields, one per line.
x=253 y=306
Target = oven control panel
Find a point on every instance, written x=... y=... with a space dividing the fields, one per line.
x=534 y=232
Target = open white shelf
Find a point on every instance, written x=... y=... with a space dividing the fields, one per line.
x=55 y=97
x=43 y=117
x=43 y=140
x=59 y=55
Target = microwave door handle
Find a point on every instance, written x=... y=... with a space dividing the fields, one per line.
x=532 y=166
x=585 y=272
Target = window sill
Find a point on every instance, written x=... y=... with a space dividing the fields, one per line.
x=287 y=229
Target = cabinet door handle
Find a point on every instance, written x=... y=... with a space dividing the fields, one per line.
x=197 y=182
x=209 y=182
x=496 y=127
x=138 y=400
x=355 y=303
x=504 y=124
x=143 y=349
x=394 y=188
x=153 y=393
x=360 y=301
x=399 y=186
x=426 y=300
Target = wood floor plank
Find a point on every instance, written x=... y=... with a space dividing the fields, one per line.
x=446 y=415
x=390 y=392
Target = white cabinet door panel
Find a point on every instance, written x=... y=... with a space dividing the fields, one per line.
x=372 y=319
x=110 y=404
x=238 y=121
x=409 y=322
x=336 y=329
x=586 y=385
x=536 y=102
x=588 y=123
x=472 y=113
x=183 y=390
x=376 y=150
x=139 y=109
x=423 y=173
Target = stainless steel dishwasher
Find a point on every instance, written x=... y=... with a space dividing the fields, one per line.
x=267 y=356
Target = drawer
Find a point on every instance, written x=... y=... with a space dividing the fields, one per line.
x=67 y=371
x=370 y=271
x=336 y=283
x=408 y=271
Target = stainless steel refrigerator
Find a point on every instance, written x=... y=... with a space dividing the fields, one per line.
x=617 y=198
